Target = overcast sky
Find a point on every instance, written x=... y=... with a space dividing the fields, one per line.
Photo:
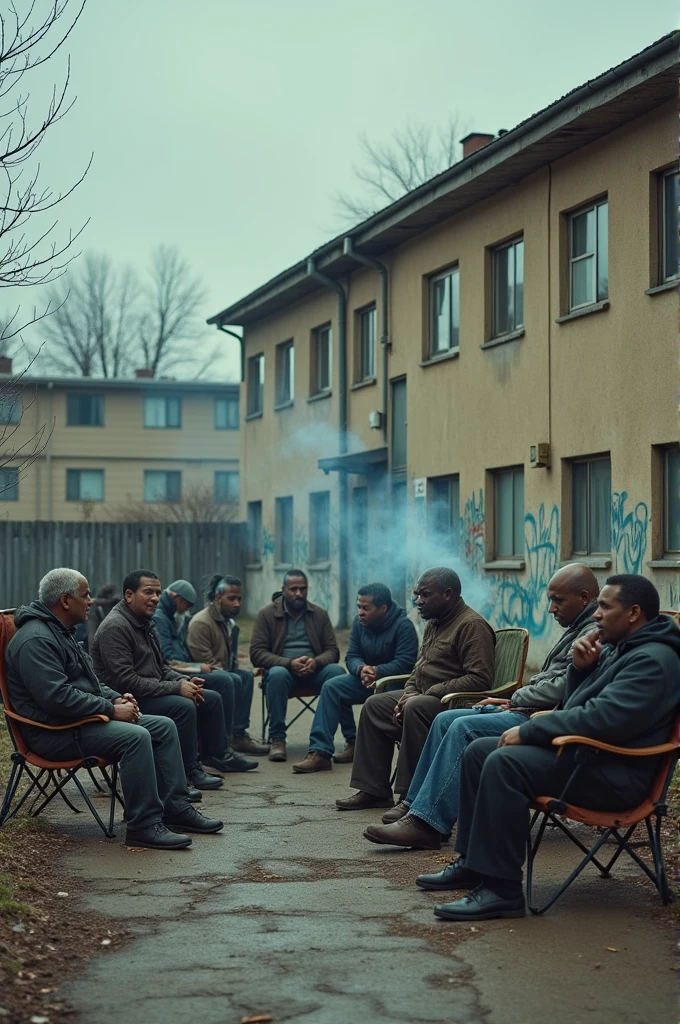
x=225 y=127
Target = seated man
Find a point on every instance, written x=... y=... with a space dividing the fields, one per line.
x=625 y=693
x=171 y=629
x=457 y=656
x=126 y=652
x=383 y=642
x=212 y=639
x=50 y=679
x=431 y=804
x=294 y=641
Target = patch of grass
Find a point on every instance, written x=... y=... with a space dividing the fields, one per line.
x=5 y=752
x=9 y=906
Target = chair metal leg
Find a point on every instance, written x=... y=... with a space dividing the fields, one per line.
x=662 y=885
x=108 y=832
x=35 y=781
x=590 y=856
x=12 y=786
x=94 y=780
x=265 y=714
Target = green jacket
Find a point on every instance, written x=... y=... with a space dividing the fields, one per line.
x=49 y=677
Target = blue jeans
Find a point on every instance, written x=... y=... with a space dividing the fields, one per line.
x=335 y=709
x=277 y=688
x=236 y=691
x=433 y=793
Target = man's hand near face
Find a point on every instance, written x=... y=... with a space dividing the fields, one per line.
x=587 y=651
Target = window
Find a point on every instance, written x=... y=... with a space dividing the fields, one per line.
x=508 y=287
x=319 y=526
x=84 y=484
x=84 y=410
x=285 y=374
x=366 y=361
x=359 y=531
x=669 y=203
x=162 y=412
x=399 y=424
x=284 y=531
x=226 y=486
x=254 y=532
x=322 y=354
x=255 y=386
x=588 y=255
x=444 y=312
x=444 y=507
x=226 y=413
x=671 y=479
x=162 y=485
x=591 y=500
x=509 y=513
x=10 y=409
x=9 y=483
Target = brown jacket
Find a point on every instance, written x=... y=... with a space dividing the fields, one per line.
x=270 y=630
x=209 y=639
x=456 y=656
x=128 y=658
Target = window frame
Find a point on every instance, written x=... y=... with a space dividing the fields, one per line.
x=254 y=551
x=282 y=549
x=73 y=473
x=319 y=546
x=285 y=375
x=517 y=529
x=453 y=272
x=667 y=551
x=452 y=482
x=176 y=475
x=166 y=400
x=316 y=384
x=516 y=325
x=73 y=396
x=14 y=403
x=588 y=461
x=594 y=206
x=6 y=490
x=663 y=176
x=227 y=500
x=229 y=402
x=366 y=344
x=254 y=390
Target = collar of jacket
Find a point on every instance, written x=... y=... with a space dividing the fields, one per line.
x=135 y=620
x=217 y=615
x=456 y=608
x=584 y=615
x=167 y=606
x=280 y=611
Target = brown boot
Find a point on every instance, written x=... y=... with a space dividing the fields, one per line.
x=361 y=801
x=247 y=745
x=408 y=831
x=347 y=756
x=314 y=762
x=389 y=817
x=277 y=751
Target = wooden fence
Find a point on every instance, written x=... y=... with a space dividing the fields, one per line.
x=105 y=552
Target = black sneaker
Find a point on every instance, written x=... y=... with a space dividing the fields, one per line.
x=191 y=820
x=158 y=837
x=230 y=762
x=201 y=780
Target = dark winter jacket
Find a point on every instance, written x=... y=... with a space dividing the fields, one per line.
x=213 y=640
x=173 y=642
x=392 y=649
x=49 y=677
x=126 y=649
x=269 y=636
x=629 y=699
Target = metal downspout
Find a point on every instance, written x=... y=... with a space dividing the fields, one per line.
x=349 y=250
x=239 y=338
x=343 y=516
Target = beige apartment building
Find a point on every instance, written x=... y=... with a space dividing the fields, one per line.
x=106 y=446
x=483 y=374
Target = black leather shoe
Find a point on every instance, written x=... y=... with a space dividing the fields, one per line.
x=194 y=795
x=200 y=780
x=481 y=905
x=157 y=837
x=454 y=876
x=191 y=820
x=230 y=762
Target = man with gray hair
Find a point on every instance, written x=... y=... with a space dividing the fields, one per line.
x=50 y=679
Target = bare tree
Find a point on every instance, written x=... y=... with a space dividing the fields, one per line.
x=196 y=506
x=170 y=323
x=389 y=170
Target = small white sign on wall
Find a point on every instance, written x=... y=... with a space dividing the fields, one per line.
x=420 y=487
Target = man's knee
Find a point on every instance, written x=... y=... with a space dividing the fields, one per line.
x=181 y=710
x=221 y=681
x=159 y=727
x=422 y=706
x=482 y=753
x=211 y=702
x=278 y=677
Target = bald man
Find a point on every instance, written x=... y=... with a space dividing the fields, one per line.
x=430 y=808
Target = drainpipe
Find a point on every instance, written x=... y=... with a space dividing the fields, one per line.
x=343 y=516
x=48 y=450
x=239 y=338
x=349 y=250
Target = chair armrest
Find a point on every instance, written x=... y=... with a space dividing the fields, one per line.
x=535 y=714
x=500 y=691
x=386 y=680
x=586 y=741
x=55 y=728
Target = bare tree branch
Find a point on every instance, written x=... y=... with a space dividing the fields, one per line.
x=197 y=506
x=170 y=323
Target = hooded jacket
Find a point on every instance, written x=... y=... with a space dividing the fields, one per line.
x=126 y=650
x=269 y=636
x=392 y=648
x=171 y=640
x=49 y=677
x=629 y=699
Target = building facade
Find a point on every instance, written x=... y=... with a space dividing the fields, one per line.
x=483 y=374
x=105 y=449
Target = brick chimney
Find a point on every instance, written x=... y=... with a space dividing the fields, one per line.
x=141 y=374
x=474 y=141
x=6 y=365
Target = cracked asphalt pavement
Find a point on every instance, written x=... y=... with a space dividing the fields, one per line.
x=290 y=912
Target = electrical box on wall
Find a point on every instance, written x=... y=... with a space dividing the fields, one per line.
x=539 y=455
x=420 y=487
x=375 y=420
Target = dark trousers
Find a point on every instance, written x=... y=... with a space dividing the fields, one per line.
x=195 y=722
x=378 y=732
x=236 y=690
x=148 y=754
x=497 y=785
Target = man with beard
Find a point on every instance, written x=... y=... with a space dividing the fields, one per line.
x=293 y=640
x=383 y=642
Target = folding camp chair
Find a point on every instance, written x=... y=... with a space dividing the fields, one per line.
x=618 y=826
x=674 y=615
x=306 y=696
x=51 y=776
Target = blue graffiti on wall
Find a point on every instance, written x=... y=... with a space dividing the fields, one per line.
x=629 y=534
x=268 y=544
x=525 y=603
